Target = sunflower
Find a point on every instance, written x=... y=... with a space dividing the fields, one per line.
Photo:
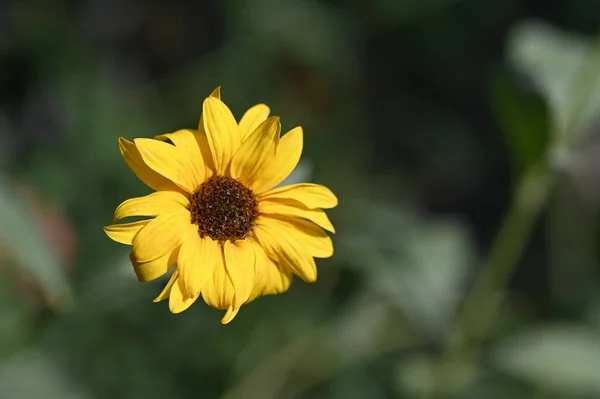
x=216 y=215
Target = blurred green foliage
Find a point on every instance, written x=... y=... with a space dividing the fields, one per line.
x=74 y=321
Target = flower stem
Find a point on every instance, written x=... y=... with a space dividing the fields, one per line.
x=483 y=302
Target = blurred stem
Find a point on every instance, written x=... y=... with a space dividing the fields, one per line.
x=313 y=357
x=483 y=302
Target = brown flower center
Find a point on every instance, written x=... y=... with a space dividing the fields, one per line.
x=224 y=209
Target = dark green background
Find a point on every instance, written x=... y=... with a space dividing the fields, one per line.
x=421 y=115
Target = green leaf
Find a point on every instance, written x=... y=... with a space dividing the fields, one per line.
x=417 y=264
x=564 y=67
x=561 y=358
x=26 y=247
x=524 y=120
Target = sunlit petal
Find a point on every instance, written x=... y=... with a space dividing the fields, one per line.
x=257 y=152
x=310 y=195
x=286 y=249
x=294 y=208
x=151 y=205
x=125 y=232
x=149 y=177
x=239 y=263
x=279 y=167
x=178 y=300
x=252 y=118
x=269 y=279
x=167 y=290
x=197 y=257
x=162 y=235
x=222 y=132
x=154 y=269
x=190 y=155
x=165 y=159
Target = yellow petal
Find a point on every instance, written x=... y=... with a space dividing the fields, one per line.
x=165 y=159
x=216 y=93
x=269 y=279
x=256 y=153
x=286 y=158
x=313 y=238
x=222 y=132
x=125 y=232
x=134 y=160
x=239 y=263
x=286 y=249
x=207 y=157
x=178 y=300
x=189 y=152
x=167 y=290
x=231 y=313
x=162 y=235
x=311 y=195
x=203 y=141
x=195 y=259
x=149 y=271
x=151 y=205
x=294 y=208
x=218 y=292
x=252 y=118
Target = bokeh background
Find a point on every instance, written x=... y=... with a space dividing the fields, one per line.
x=461 y=137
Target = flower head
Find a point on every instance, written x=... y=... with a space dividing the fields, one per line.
x=215 y=215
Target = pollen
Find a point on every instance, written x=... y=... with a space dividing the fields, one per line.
x=224 y=209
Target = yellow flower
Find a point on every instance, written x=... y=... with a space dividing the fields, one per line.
x=215 y=215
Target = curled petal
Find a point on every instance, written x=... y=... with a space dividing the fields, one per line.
x=229 y=315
